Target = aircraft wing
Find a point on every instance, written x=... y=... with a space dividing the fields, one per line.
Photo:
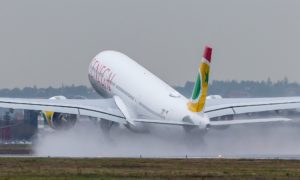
x=100 y=108
x=107 y=108
x=233 y=106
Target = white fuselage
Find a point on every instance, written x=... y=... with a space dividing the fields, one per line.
x=145 y=96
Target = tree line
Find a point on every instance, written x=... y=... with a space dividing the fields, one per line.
x=224 y=88
x=247 y=88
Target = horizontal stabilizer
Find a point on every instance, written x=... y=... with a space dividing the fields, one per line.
x=246 y=121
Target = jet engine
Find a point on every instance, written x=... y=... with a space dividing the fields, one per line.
x=57 y=120
x=62 y=120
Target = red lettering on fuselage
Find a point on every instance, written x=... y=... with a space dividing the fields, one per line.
x=97 y=75
x=103 y=79
x=110 y=80
x=102 y=75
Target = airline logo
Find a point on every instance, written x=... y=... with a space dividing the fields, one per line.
x=201 y=85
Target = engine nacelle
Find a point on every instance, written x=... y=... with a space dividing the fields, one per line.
x=60 y=120
x=57 y=120
x=63 y=121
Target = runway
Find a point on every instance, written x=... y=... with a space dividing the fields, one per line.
x=276 y=141
x=245 y=156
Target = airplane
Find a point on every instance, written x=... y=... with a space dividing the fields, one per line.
x=135 y=98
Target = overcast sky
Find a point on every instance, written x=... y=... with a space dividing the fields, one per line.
x=47 y=43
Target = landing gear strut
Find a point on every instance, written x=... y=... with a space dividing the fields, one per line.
x=106 y=125
x=194 y=137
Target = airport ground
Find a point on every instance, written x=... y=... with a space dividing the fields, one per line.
x=242 y=144
x=16 y=149
x=140 y=168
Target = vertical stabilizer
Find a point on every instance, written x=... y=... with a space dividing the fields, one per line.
x=197 y=101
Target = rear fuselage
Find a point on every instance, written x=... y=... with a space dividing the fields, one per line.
x=145 y=96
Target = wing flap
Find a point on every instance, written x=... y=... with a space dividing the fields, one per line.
x=246 y=121
x=40 y=107
x=213 y=123
x=221 y=107
x=267 y=107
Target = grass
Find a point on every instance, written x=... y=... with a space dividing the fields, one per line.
x=127 y=169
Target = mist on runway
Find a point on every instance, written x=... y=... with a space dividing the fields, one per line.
x=88 y=140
